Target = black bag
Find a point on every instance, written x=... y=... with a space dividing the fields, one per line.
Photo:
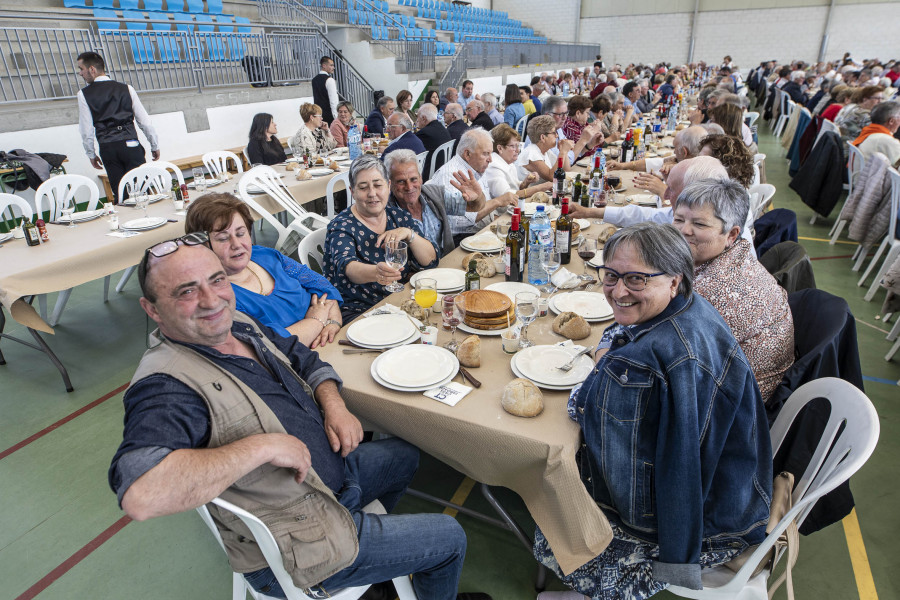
x=257 y=73
x=376 y=96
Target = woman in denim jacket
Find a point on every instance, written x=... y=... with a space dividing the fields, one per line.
x=676 y=444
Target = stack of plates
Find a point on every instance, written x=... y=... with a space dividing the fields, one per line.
x=645 y=200
x=434 y=367
x=383 y=331
x=6 y=236
x=80 y=217
x=144 y=223
x=319 y=171
x=210 y=182
x=538 y=364
x=590 y=305
x=153 y=198
x=447 y=281
x=485 y=242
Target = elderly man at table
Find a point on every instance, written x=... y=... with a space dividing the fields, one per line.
x=225 y=407
x=477 y=116
x=377 y=121
x=451 y=95
x=431 y=131
x=453 y=119
x=680 y=176
x=424 y=203
x=490 y=108
x=686 y=145
x=468 y=203
x=399 y=129
x=645 y=100
x=878 y=136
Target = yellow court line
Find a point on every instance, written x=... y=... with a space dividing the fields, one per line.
x=809 y=239
x=462 y=492
x=858 y=558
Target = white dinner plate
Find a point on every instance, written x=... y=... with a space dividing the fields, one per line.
x=583 y=223
x=144 y=223
x=592 y=306
x=467 y=329
x=209 y=183
x=254 y=189
x=530 y=208
x=342 y=159
x=433 y=364
x=511 y=288
x=518 y=373
x=85 y=215
x=446 y=280
x=644 y=200
x=597 y=261
x=398 y=388
x=482 y=243
x=319 y=171
x=153 y=198
x=538 y=363
x=380 y=330
x=6 y=236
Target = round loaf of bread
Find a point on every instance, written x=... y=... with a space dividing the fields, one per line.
x=571 y=325
x=605 y=232
x=469 y=352
x=522 y=398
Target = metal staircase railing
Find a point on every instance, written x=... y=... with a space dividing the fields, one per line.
x=456 y=71
x=351 y=85
x=290 y=14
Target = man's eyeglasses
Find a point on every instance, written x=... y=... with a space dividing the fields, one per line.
x=560 y=114
x=635 y=281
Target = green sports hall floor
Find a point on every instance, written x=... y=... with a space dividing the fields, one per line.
x=62 y=535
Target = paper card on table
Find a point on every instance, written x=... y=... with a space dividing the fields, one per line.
x=123 y=234
x=449 y=394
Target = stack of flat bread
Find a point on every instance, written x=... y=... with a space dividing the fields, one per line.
x=488 y=310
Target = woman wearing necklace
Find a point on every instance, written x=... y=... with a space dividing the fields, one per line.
x=357 y=237
x=279 y=292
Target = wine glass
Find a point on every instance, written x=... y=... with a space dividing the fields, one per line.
x=395 y=256
x=67 y=208
x=526 y=311
x=141 y=201
x=551 y=261
x=587 y=249
x=426 y=295
x=199 y=179
x=453 y=310
x=614 y=152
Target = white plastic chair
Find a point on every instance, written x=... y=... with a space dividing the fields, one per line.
x=825 y=128
x=862 y=251
x=855 y=163
x=421 y=158
x=312 y=250
x=302 y=222
x=151 y=178
x=785 y=116
x=890 y=242
x=760 y=197
x=520 y=127
x=830 y=466
x=752 y=116
x=217 y=162
x=445 y=150
x=269 y=549
x=52 y=196
x=175 y=170
x=9 y=202
x=329 y=192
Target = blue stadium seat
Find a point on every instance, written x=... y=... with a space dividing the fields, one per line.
x=101 y=13
x=215 y=46
x=195 y=6
x=103 y=3
x=166 y=42
x=141 y=45
x=128 y=4
x=153 y=5
x=180 y=16
x=225 y=23
x=243 y=24
x=213 y=7
x=75 y=4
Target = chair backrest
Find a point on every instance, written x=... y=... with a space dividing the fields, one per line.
x=760 y=195
x=758 y=158
x=856 y=160
x=421 y=158
x=838 y=455
x=329 y=192
x=445 y=151
x=751 y=118
x=825 y=127
x=217 y=162
x=9 y=202
x=312 y=248
x=175 y=170
x=56 y=191
x=149 y=177
x=520 y=127
x=895 y=203
x=756 y=176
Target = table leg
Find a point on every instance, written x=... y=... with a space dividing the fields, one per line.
x=40 y=346
x=541 y=579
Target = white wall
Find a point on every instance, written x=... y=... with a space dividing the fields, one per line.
x=556 y=19
x=639 y=38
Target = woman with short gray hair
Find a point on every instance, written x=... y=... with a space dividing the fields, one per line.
x=358 y=237
x=710 y=213
x=672 y=423
x=537 y=157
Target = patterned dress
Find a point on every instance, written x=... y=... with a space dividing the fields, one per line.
x=755 y=308
x=348 y=240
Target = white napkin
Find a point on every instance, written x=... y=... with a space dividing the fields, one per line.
x=564 y=278
x=570 y=345
x=123 y=234
x=449 y=394
x=384 y=310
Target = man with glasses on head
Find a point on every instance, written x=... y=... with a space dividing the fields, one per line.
x=399 y=129
x=224 y=407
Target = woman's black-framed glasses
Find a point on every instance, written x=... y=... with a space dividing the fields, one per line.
x=635 y=281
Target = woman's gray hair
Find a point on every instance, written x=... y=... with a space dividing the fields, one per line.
x=661 y=247
x=399 y=157
x=469 y=140
x=364 y=163
x=539 y=126
x=728 y=199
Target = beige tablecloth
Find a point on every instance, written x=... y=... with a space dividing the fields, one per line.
x=534 y=457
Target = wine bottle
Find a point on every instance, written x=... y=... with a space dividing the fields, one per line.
x=628 y=148
x=576 y=188
x=513 y=257
x=559 y=182
x=585 y=196
x=32 y=235
x=176 y=191
x=564 y=233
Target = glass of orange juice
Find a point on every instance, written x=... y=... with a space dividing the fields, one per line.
x=426 y=295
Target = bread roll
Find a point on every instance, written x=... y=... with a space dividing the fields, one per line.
x=605 y=232
x=522 y=398
x=571 y=325
x=540 y=198
x=410 y=307
x=469 y=352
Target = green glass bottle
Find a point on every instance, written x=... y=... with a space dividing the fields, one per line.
x=473 y=279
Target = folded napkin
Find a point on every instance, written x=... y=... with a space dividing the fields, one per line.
x=449 y=394
x=386 y=309
x=564 y=279
x=123 y=234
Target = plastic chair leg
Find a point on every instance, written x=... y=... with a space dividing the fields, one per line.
x=895 y=331
x=892 y=351
x=812 y=220
x=836 y=231
x=42 y=306
x=860 y=257
x=60 y=306
x=875 y=259
x=892 y=255
x=106 y=289
x=125 y=277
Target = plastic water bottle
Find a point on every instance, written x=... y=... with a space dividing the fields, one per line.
x=354 y=140
x=540 y=238
x=440 y=116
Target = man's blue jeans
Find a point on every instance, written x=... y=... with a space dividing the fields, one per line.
x=430 y=546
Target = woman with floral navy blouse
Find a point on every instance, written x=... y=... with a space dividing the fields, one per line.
x=356 y=240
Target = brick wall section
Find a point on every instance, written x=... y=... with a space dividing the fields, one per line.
x=865 y=30
x=555 y=19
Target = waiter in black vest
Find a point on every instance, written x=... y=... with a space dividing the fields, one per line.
x=109 y=109
x=325 y=94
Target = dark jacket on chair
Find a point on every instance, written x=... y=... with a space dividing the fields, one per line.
x=819 y=182
x=407 y=141
x=790 y=266
x=433 y=135
x=774 y=227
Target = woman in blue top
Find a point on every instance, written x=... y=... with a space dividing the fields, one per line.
x=514 y=110
x=279 y=292
x=356 y=240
